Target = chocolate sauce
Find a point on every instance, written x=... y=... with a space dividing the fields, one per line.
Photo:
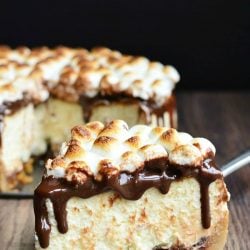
x=9 y=108
x=146 y=108
x=156 y=173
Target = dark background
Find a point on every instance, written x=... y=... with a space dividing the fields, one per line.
x=208 y=41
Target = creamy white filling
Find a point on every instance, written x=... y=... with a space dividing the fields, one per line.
x=107 y=222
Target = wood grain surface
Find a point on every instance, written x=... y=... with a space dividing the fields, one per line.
x=223 y=117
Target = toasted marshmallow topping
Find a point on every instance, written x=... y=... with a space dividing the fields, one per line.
x=68 y=73
x=97 y=149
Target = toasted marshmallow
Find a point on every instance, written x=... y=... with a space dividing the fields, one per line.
x=70 y=73
x=101 y=148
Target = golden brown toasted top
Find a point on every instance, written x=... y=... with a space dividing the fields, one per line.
x=97 y=149
x=68 y=73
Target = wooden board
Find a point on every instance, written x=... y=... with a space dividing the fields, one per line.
x=222 y=117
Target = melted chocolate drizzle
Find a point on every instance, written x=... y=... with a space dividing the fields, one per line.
x=157 y=173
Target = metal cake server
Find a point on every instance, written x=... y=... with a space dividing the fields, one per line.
x=236 y=163
x=26 y=191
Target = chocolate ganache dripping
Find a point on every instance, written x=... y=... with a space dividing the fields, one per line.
x=157 y=173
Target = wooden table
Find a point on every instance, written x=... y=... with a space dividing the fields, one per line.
x=223 y=117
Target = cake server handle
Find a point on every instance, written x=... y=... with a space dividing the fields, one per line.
x=236 y=163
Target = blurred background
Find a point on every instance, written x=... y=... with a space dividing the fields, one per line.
x=207 y=41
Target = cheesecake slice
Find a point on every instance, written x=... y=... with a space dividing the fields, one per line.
x=45 y=92
x=115 y=187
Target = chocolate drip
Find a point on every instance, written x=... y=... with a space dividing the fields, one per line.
x=207 y=175
x=146 y=108
x=156 y=173
x=8 y=108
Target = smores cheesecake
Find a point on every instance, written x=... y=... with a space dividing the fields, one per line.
x=45 y=92
x=112 y=187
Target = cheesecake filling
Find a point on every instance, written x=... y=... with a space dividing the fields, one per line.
x=52 y=119
x=158 y=173
x=9 y=108
x=146 y=108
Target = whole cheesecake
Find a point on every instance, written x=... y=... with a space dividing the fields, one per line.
x=115 y=187
x=45 y=92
